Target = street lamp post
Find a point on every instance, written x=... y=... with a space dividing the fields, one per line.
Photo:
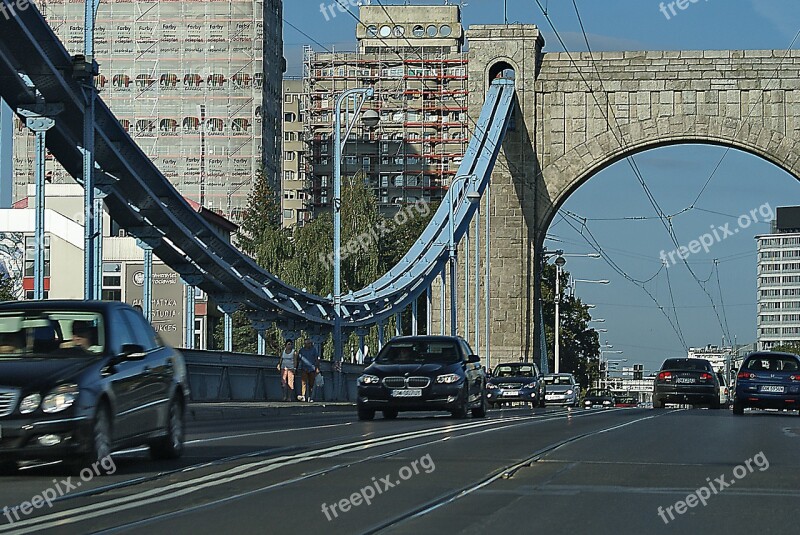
x=473 y=197
x=358 y=96
x=560 y=261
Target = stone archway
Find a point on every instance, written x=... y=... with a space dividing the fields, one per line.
x=566 y=174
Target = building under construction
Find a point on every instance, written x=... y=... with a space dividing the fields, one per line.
x=413 y=57
x=187 y=81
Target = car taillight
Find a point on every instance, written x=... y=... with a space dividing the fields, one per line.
x=665 y=376
x=745 y=375
x=794 y=377
x=705 y=376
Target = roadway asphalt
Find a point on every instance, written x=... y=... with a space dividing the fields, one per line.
x=517 y=471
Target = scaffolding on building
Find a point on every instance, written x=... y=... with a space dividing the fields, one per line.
x=421 y=98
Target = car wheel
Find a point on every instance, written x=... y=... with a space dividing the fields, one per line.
x=366 y=414
x=714 y=404
x=480 y=411
x=658 y=404
x=170 y=446
x=389 y=414
x=99 y=446
x=461 y=411
x=738 y=408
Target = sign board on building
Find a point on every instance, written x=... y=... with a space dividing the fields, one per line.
x=167 y=302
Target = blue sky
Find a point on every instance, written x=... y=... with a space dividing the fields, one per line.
x=675 y=175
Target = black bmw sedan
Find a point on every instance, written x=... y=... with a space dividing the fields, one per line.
x=423 y=373
x=80 y=379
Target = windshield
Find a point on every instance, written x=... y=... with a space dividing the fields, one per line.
x=557 y=379
x=772 y=363
x=596 y=393
x=57 y=333
x=442 y=352
x=686 y=364
x=506 y=370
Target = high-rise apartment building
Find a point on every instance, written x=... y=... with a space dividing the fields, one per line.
x=779 y=281
x=413 y=57
x=191 y=81
x=295 y=205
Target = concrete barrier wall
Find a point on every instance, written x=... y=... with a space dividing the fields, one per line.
x=221 y=376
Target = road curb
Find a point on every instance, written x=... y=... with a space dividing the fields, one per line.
x=201 y=412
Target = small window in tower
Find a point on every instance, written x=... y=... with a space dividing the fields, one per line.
x=418 y=31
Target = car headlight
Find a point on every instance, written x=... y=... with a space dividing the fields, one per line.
x=491 y=386
x=368 y=380
x=531 y=385
x=606 y=402
x=587 y=402
x=30 y=403
x=570 y=392
x=448 y=378
x=60 y=398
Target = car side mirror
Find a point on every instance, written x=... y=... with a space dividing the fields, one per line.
x=475 y=359
x=133 y=352
x=368 y=361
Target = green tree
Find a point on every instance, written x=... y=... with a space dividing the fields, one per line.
x=7 y=292
x=790 y=347
x=579 y=347
x=260 y=233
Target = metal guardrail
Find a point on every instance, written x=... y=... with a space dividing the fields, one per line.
x=221 y=376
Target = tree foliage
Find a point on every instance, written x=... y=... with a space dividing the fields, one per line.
x=790 y=347
x=302 y=256
x=579 y=348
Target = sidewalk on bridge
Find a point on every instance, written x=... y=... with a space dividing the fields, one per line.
x=243 y=410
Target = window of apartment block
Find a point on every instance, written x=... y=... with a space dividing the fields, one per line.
x=289 y=117
x=323 y=181
x=288 y=98
x=365 y=161
x=288 y=175
x=30 y=254
x=287 y=214
x=289 y=156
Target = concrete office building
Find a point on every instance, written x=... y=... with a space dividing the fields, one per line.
x=192 y=82
x=122 y=262
x=295 y=202
x=779 y=281
x=413 y=57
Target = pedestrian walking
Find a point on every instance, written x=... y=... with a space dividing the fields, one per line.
x=287 y=365
x=308 y=366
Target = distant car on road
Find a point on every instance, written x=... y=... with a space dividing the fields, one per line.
x=598 y=397
x=768 y=381
x=725 y=394
x=562 y=389
x=423 y=373
x=80 y=379
x=517 y=382
x=624 y=401
x=685 y=380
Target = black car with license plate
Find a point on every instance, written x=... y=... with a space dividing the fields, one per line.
x=686 y=381
x=598 y=397
x=768 y=381
x=80 y=379
x=517 y=382
x=423 y=373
